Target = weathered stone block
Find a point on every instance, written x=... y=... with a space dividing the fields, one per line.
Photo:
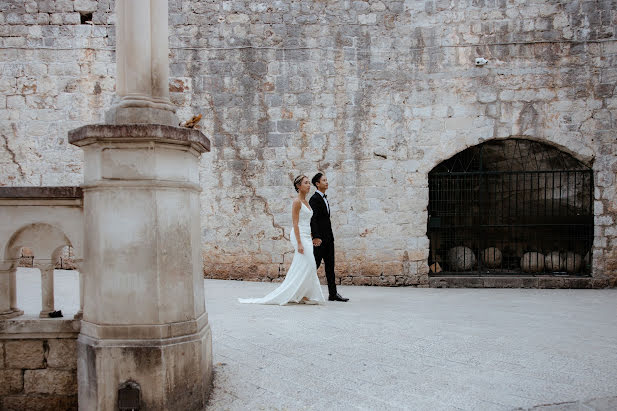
x=62 y=353
x=459 y=123
x=71 y=18
x=48 y=381
x=486 y=96
x=550 y=282
x=55 y=18
x=11 y=381
x=599 y=282
x=287 y=126
x=39 y=403
x=15 y=102
x=24 y=354
x=577 y=283
x=85 y=6
x=496 y=282
x=458 y=282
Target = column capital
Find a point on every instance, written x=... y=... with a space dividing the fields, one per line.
x=150 y=133
x=44 y=265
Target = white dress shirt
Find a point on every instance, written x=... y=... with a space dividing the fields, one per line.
x=325 y=199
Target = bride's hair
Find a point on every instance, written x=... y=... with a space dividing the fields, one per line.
x=297 y=181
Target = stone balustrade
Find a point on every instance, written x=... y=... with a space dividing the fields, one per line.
x=44 y=219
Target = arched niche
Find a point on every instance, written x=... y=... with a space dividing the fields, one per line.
x=512 y=206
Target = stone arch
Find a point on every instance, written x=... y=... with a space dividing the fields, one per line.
x=44 y=239
x=571 y=146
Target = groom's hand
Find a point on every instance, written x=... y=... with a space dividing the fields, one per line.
x=316 y=242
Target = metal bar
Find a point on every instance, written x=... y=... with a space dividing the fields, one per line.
x=553 y=194
x=467 y=173
x=575 y=187
x=516 y=197
x=567 y=193
x=560 y=195
x=545 y=184
x=467 y=226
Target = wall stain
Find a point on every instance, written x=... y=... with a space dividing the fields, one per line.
x=528 y=118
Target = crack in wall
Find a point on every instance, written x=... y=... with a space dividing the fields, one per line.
x=340 y=97
x=243 y=177
x=11 y=152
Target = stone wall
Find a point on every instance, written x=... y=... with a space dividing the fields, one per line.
x=373 y=93
x=37 y=373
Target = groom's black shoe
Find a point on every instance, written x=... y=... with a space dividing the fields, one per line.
x=337 y=297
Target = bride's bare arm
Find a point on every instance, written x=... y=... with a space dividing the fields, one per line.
x=295 y=217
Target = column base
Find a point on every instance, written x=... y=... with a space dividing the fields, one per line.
x=170 y=373
x=141 y=115
x=11 y=314
x=45 y=314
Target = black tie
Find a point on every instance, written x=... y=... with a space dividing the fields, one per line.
x=325 y=196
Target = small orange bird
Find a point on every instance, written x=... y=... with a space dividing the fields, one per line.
x=192 y=122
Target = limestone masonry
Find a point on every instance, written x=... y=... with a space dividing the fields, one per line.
x=38 y=361
x=375 y=94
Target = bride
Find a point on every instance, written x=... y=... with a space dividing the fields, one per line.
x=301 y=284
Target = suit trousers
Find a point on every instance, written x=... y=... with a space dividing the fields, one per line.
x=325 y=252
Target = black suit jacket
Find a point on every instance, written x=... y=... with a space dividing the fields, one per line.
x=320 y=222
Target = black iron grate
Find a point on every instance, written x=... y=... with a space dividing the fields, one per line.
x=511 y=207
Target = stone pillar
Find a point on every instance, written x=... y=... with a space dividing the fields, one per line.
x=8 y=294
x=47 y=289
x=142 y=64
x=80 y=314
x=144 y=317
x=13 y=290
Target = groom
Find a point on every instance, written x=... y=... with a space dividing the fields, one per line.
x=321 y=230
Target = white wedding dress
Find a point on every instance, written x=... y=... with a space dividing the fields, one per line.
x=301 y=280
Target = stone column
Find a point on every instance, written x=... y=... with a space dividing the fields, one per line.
x=142 y=64
x=8 y=294
x=47 y=289
x=13 y=290
x=144 y=325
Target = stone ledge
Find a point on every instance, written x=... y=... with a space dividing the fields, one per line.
x=475 y=281
x=150 y=335
x=63 y=192
x=139 y=133
x=40 y=328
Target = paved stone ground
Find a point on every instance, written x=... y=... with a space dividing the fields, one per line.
x=404 y=348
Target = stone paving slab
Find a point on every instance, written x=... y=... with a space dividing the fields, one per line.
x=403 y=348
